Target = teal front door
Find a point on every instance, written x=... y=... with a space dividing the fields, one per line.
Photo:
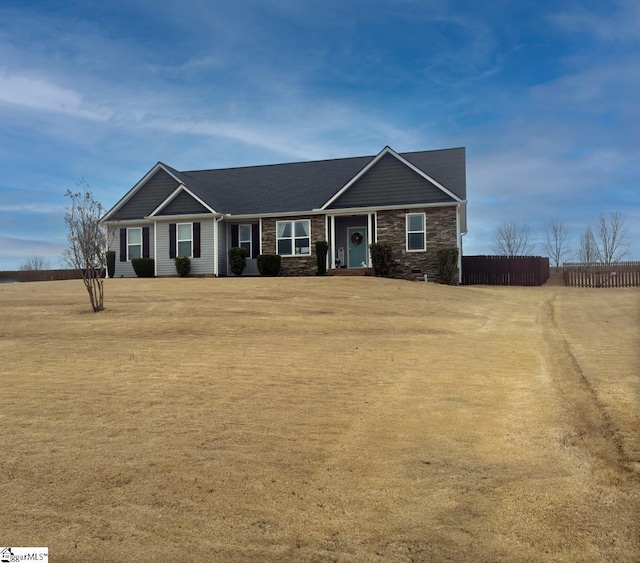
x=357 y=239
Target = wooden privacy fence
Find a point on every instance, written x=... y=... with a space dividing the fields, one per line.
x=40 y=275
x=505 y=270
x=618 y=274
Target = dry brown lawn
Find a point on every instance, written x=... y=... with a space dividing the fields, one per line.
x=320 y=419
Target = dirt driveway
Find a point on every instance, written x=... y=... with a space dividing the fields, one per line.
x=320 y=420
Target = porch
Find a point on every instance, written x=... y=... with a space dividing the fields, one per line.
x=349 y=238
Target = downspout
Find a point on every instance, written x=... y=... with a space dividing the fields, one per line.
x=216 y=240
x=460 y=235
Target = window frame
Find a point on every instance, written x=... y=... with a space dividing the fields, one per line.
x=249 y=226
x=422 y=231
x=179 y=240
x=293 y=237
x=129 y=244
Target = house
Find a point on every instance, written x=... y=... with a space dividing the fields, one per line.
x=416 y=201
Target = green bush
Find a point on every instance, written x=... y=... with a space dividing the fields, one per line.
x=447 y=264
x=322 y=247
x=381 y=257
x=183 y=265
x=238 y=259
x=143 y=267
x=111 y=263
x=269 y=264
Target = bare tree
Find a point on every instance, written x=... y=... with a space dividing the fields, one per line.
x=87 y=242
x=511 y=238
x=555 y=242
x=35 y=263
x=588 y=249
x=612 y=239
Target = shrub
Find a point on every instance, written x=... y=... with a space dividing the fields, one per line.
x=269 y=264
x=381 y=256
x=111 y=263
x=183 y=265
x=143 y=267
x=238 y=259
x=322 y=247
x=447 y=264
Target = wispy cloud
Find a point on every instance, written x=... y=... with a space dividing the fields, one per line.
x=615 y=21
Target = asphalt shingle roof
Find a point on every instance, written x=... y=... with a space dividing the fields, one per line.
x=302 y=186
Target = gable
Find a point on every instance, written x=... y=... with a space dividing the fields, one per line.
x=148 y=197
x=183 y=204
x=390 y=182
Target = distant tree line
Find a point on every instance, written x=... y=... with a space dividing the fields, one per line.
x=605 y=242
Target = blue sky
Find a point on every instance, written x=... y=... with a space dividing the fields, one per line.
x=544 y=95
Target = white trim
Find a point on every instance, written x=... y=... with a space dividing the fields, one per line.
x=356 y=177
x=155 y=249
x=139 y=185
x=175 y=194
x=382 y=153
x=125 y=222
x=369 y=209
x=326 y=237
x=333 y=241
x=463 y=217
x=240 y=241
x=369 y=240
x=183 y=218
x=293 y=238
x=425 y=175
x=341 y=211
x=375 y=234
x=459 y=240
x=260 y=233
x=423 y=231
x=135 y=244
x=179 y=240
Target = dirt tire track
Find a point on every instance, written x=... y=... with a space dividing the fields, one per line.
x=593 y=427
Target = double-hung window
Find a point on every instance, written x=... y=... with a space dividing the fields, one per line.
x=416 y=232
x=134 y=243
x=184 y=239
x=244 y=238
x=293 y=237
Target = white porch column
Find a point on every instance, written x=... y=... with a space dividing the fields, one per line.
x=369 y=239
x=333 y=242
x=215 y=246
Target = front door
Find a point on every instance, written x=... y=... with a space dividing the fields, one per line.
x=357 y=241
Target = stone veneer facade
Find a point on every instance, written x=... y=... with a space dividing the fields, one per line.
x=441 y=233
x=294 y=265
x=391 y=227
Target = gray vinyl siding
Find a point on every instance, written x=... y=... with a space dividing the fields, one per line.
x=183 y=204
x=222 y=248
x=165 y=266
x=390 y=182
x=125 y=269
x=148 y=197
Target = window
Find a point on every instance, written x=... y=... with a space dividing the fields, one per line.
x=293 y=237
x=134 y=243
x=185 y=239
x=244 y=238
x=416 y=232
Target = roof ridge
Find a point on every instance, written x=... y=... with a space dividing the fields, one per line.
x=336 y=159
x=274 y=164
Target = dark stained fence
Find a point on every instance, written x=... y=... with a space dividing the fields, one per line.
x=618 y=274
x=40 y=275
x=504 y=270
